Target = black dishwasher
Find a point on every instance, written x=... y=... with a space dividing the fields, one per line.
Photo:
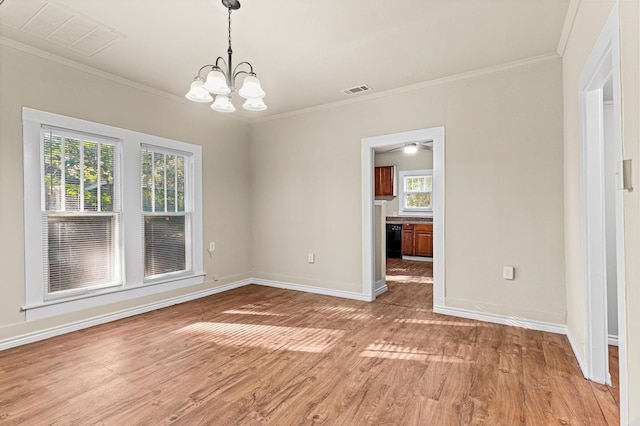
x=394 y=240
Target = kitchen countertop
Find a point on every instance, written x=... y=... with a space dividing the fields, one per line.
x=408 y=219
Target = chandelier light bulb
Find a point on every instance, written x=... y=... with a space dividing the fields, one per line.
x=223 y=104
x=254 y=104
x=197 y=93
x=216 y=83
x=251 y=88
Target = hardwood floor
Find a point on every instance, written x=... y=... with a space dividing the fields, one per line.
x=258 y=355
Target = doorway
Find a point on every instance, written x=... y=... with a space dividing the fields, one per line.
x=602 y=207
x=403 y=182
x=369 y=228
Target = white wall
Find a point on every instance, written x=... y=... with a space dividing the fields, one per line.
x=421 y=160
x=587 y=26
x=29 y=80
x=504 y=195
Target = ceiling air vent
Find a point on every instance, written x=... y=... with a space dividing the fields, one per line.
x=356 y=89
x=59 y=24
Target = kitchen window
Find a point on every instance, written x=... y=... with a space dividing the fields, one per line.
x=110 y=214
x=415 y=194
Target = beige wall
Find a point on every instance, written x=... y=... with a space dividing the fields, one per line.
x=630 y=69
x=28 y=80
x=587 y=26
x=504 y=196
x=421 y=160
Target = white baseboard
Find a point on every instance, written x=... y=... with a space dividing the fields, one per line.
x=102 y=319
x=418 y=258
x=578 y=354
x=613 y=340
x=381 y=289
x=309 y=289
x=502 y=319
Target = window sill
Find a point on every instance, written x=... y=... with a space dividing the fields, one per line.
x=62 y=306
x=421 y=213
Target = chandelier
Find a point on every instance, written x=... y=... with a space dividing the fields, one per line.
x=221 y=80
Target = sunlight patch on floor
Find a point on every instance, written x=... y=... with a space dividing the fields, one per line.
x=391 y=351
x=249 y=312
x=441 y=322
x=409 y=279
x=265 y=336
x=346 y=312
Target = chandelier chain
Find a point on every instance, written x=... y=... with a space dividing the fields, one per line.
x=229 y=28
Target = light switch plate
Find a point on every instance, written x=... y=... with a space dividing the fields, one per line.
x=508 y=272
x=212 y=246
x=311 y=258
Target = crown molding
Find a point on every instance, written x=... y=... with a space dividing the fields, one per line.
x=430 y=83
x=98 y=73
x=569 y=20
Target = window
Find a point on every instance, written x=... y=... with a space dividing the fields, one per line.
x=165 y=211
x=110 y=214
x=415 y=196
x=80 y=207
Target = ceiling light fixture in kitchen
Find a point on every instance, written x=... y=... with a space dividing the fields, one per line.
x=410 y=148
x=221 y=80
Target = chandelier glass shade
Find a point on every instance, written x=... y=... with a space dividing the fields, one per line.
x=221 y=80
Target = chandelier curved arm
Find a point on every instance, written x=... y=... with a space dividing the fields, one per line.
x=237 y=72
x=215 y=66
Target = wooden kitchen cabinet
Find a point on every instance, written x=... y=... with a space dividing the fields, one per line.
x=423 y=240
x=407 y=239
x=384 y=178
x=417 y=239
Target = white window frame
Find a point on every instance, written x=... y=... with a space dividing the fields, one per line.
x=413 y=211
x=117 y=260
x=132 y=241
x=187 y=213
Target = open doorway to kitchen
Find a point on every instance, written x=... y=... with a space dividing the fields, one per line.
x=424 y=189
x=403 y=180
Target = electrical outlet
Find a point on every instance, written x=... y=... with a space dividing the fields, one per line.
x=216 y=277
x=508 y=272
x=311 y=258
x=212 y=246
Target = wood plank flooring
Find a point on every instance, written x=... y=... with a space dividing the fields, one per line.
x=258 y=355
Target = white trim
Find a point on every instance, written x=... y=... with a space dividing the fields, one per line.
x=131 y=211
x=425 y=84
x=577 y=353
x=99 y=73
x=503 y=319
x=436 y=134
x=603 y=63
x=418 y=258
x=613 y=340
x=381 y=287
x=567 y=27
x=102 y=319
x=310 y=289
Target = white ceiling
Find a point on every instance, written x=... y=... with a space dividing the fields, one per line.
x=304 y=51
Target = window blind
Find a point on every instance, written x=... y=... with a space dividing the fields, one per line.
x=80 y=208
x=166 y=216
